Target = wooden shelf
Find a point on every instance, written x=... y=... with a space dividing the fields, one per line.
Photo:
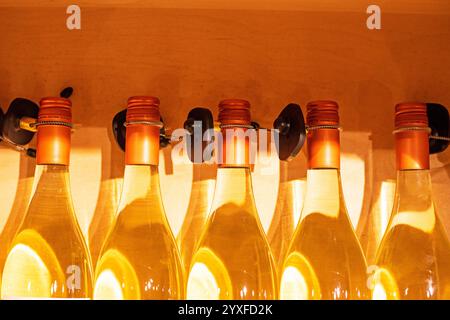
x=388 y=6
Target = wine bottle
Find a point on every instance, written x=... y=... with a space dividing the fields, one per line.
x=325 y=259
x=233 y=259
x=140 y=258
x=375 y=223
x=202 y=192
x=286 y=215
x=413 y=261
x=48 y=257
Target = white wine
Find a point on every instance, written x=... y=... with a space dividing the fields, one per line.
x=413 y=261
x=48 y=256
x=233 y=259
x=325 y=259
x=140 y=259
x=198 y=210
x=287 y=211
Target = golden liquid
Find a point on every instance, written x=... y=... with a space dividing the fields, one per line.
x=234 y=259
x=196 y=216
x=140 y=259
x=414 y=257
x=48 y=257
x=325 y=259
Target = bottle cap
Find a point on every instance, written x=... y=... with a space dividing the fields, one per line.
x=411 y=114
x=143 y=108
x=55 y=109
x=322 y=113
x=234 y=112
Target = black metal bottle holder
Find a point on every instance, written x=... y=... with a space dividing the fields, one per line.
x=14 y=130
x=120 y=130
x=290 y=125
x=438 y=121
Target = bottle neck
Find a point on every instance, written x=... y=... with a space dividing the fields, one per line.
x=140 y=184
x=53 y=145
x=414 y=183
x=413 y=203
x=412 y=150
x=323 y=193
x=235 y=147
x=142 y=145
x=51 y=185
x=53 y=174
x=323 y=147
x=234 y=186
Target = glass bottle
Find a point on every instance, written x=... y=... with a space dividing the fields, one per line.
x=233 y=259
x=48 y=257
x=197 y=213
x=413 y=261
x=104 y=215
x=325 y=259
x=140 y=259
x=286 y=215
x=376 y=221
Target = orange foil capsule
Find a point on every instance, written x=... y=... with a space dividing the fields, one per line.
x=53 y=139
x=323 y=144
x=235 y=113
x=142 y=141
x=412 y=145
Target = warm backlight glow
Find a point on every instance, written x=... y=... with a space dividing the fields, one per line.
x=202 y=284
x=293 y=286
x=384 y=285
x=387 y=193
x=117 y=278
x=107 y=287
x=206 y=278
x=299 y=281
x=353 y=184
x=31 y=268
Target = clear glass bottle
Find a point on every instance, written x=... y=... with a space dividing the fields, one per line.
x=104 y=215
x=376 y=221
x=203 y=182
x=325 y=259
x=413 y=261
x=286 y=215
x=233 y=259
x=140 y=258
x=48 y=257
